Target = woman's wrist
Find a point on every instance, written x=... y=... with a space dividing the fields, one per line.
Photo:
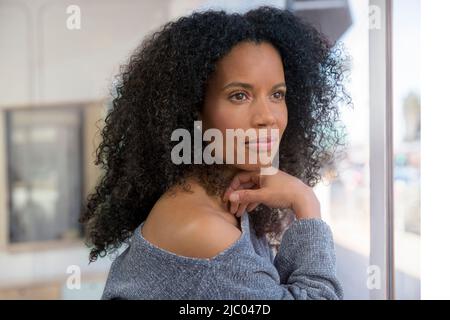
x=305 y=204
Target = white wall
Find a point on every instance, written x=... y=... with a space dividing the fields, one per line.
x=43 y=61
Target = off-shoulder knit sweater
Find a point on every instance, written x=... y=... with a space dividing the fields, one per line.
x=304 y=267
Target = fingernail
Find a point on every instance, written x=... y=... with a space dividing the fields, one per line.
x=234 y=197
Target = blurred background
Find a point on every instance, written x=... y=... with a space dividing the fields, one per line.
x=56 y=85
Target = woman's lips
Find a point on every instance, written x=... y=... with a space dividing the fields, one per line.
x=261 y=144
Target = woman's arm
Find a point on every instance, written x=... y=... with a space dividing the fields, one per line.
x=305 y=259
x=304 y=268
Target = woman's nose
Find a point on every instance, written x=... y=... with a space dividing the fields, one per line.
x=263 y=115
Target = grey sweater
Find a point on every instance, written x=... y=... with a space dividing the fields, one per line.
x=303 y=268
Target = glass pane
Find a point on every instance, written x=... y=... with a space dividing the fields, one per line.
x=345 y=199
x=406 y=61
x=44 y=174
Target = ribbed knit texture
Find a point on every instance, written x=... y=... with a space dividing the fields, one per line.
x=304 y=268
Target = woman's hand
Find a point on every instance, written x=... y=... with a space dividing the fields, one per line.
x=248 y=189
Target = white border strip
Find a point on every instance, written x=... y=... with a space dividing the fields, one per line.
x=435 y=192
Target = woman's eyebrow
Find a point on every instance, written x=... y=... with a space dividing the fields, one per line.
x=238 y=84
x=281 y=84
x=249 y=86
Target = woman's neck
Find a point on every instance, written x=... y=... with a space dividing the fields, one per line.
x=199 y=194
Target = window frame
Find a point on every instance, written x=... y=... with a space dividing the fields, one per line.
x=381 y=151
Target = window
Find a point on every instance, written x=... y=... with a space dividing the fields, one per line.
x=44 y=165
x=345 y=199
x=373 y=206
x=406 y=137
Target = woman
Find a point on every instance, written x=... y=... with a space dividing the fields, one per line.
x=201 y=231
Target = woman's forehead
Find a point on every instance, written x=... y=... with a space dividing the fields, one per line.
x=250 y=62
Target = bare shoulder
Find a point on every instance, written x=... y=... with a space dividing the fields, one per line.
x=208 y=236
x=199 y=234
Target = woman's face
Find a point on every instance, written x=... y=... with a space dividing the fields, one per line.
x=247 y=91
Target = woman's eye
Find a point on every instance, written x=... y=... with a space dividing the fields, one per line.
x=240 y=96
x=279 y=95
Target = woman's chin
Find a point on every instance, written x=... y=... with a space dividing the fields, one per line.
x=252 y=167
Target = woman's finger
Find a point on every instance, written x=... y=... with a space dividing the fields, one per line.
x=249 y=196
x=247 y=185
x=241 y=178
x=242 y=208
x=252 y=206
x=234 y=207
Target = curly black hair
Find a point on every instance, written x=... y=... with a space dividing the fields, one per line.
x=162 y=88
